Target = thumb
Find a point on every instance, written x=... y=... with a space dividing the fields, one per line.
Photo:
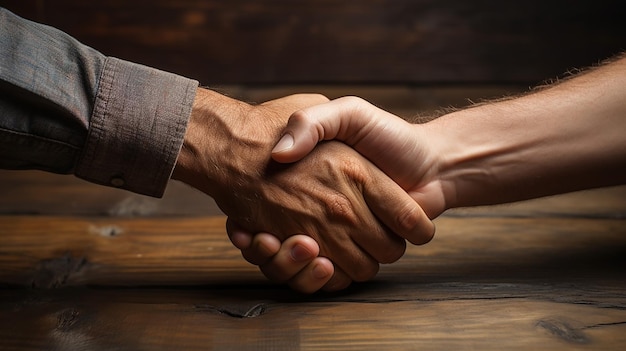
x=337 y=119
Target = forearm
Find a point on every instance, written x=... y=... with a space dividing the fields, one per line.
x=564 y=138
x=66 y=108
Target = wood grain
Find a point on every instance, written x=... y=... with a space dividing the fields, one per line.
x=63 y=251
x=487 y=283
x=546 y=275
x=102 y=320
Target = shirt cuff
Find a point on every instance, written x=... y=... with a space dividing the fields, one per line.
x=137 y=127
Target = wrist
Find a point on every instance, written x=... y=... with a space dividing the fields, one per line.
x=509 y=150
x=185 y=169
x=563 y=138
x=208 y=140
x=227 y=143
x=472 y=156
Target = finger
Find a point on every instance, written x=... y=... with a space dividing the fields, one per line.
x=396 y=209
x=350 y=257
x=349 y=119
x=263 y=248
x=357 y=264
x=314 y=276
x=369 y=233
x=294 y=254
x=339 y=281
x=347 y=220
x=240 y=238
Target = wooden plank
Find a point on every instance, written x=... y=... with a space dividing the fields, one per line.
x=57 y=251
x=164 y=320
x=484 y=282
x=328 y=41
x=64 y=251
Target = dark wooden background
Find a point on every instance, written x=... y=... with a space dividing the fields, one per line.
x=345 y=41
x=85 y=267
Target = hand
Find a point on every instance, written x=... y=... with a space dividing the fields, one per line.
x=294 y=262
x=328 y=195
x=390 y=142
x=400 y=149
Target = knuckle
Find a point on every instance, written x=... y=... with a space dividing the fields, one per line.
x=409 y=218
x=412 y=221
x=298 y=117
x=302 y=120
x=339 y=207
x=354 y=169
x=353 y=100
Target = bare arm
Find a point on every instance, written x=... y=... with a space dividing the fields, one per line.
x=566 y=137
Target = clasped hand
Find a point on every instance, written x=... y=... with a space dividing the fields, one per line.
x=357 y=214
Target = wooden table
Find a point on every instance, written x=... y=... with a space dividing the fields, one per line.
x=84 y=267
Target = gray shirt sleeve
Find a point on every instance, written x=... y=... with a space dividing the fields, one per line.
x=66 y=108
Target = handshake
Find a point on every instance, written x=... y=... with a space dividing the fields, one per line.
x=318 y=193
x=244 y=157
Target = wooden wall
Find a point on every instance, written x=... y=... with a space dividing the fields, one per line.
x=345 y=41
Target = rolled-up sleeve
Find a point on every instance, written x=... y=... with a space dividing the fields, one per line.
x=137 y=127
x=67 y=108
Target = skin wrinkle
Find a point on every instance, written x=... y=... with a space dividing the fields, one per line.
x=320 y=196
x=335 y=205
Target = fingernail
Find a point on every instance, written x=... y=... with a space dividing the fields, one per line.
x=300 y=253
x=285 y=143
x=319 y=272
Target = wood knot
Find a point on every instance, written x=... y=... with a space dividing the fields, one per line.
x=235 y=311
x=106 y=230
x=55 y=272
x=66 y=319
x=563 y=330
